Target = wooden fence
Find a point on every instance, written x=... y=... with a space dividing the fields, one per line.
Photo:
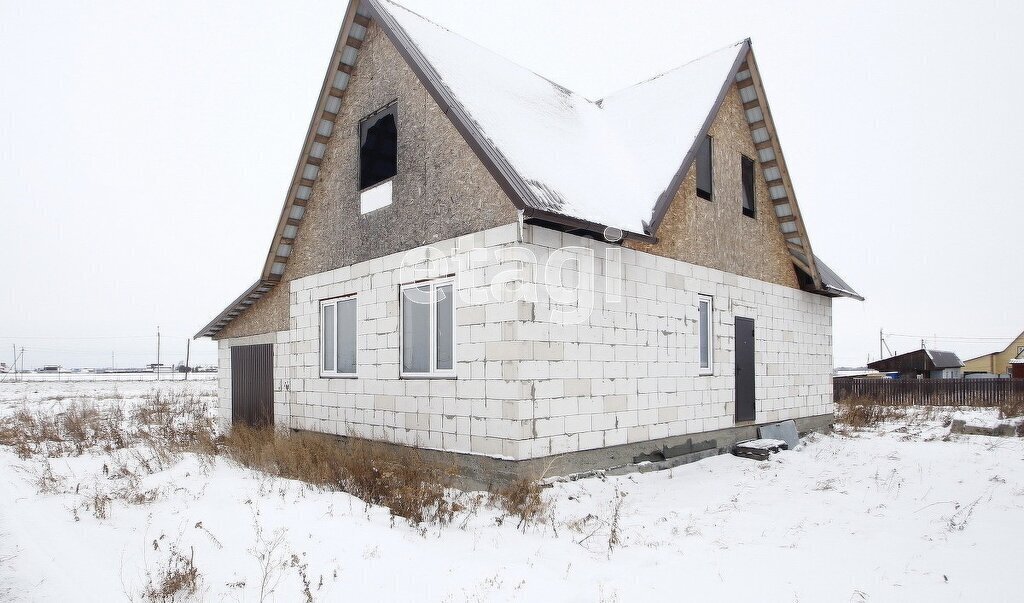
x=930 y=392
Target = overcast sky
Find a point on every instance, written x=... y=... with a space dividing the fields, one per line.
x=146 y=147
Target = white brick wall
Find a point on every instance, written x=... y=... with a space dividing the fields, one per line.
x=531 y=384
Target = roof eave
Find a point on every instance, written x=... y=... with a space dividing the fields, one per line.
x=532 y=214
x=837 y=292
x=221 y=320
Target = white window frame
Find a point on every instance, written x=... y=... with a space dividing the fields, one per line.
x=433 y=372
x=335 y=374
x=710 y=368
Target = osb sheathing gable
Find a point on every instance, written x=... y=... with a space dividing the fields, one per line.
x=442 y=190
x=716 y=233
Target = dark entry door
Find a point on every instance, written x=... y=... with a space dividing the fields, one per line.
x=252 y=385
x=744 y=369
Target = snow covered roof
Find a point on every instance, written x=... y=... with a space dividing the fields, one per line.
x=604 y=161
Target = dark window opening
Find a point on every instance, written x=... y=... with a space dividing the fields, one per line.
x=749 y=201
x=378 y=148
x=704 y=170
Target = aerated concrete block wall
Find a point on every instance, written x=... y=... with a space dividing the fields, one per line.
x=607 y=356
x=630 y=371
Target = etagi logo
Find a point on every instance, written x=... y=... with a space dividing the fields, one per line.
x=565 y=282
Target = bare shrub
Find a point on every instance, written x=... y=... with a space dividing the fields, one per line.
x=1011 y=409
x=399 y=479
x=860 y=414
x=523 y=499
x=177 y=580
x=271 y=557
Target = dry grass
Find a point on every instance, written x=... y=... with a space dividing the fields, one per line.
x=169 y=423
x=152 y=434
x=858 y=414
x=178 y=580
x=1011 y=409
x=399 y=479
x=523 y=499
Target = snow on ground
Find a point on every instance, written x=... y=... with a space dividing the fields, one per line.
x=901 y=512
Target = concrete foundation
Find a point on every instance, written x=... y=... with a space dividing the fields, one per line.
x=477 y=472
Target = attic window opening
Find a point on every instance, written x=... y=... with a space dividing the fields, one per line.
x=747 y=175
x=704 y=169
x=378 y=147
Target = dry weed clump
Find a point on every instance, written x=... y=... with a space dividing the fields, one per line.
x=860 y=414
x=401 y=480
x=523 y=499
x=177 y=580
x=1011 y=409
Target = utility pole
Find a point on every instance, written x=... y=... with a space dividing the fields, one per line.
x=14 y=367
x=22 y=363
x=157 y=367
x=188 y=349
x=881 y=338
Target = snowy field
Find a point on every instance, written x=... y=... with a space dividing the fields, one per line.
x=902 y=512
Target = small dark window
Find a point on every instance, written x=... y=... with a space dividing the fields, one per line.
x=704 y=170
x=378 y=147
x=749 y=203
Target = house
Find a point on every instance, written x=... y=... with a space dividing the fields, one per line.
x=922 y=364
x=997 y=363
x=478 y=262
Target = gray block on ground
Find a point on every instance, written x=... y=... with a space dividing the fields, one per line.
x=785 y=431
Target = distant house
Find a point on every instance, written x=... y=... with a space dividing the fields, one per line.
x=922 y=364
x=997 y=363
x=475 y=260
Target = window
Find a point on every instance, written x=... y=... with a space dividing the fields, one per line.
x=378 y=147
x=338 y=337
x=704 y=307
x=704 y=169
x=428 y=329
x=749 y=202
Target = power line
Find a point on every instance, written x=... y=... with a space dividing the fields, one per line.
x=979 y=339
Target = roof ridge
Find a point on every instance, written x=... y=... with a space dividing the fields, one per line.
x=673 y=69
x=489 y=50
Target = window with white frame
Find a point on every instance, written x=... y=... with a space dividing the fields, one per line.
x=428 y=329
x=704 y=306
x=338 y=337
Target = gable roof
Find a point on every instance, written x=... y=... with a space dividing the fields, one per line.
x=561 y=152
x=1016 y=341
x=922 y=360
x=559 y=156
